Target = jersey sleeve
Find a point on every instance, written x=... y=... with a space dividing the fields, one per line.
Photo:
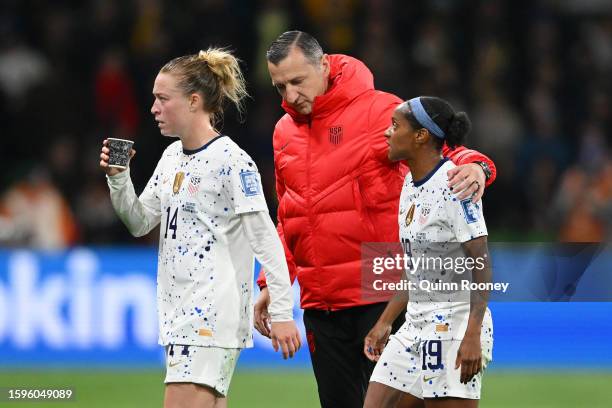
x=465 y=218
x=243 y=185
x=139 y=214
x=268 y=249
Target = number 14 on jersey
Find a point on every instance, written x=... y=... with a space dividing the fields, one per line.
x=171 y=223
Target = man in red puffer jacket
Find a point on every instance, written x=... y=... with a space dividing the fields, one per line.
x=336 y=189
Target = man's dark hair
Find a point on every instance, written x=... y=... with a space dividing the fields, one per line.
x=281 y=47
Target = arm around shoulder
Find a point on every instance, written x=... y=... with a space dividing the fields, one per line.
x=461 y=155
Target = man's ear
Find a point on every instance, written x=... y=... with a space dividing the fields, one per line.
x=325 y=66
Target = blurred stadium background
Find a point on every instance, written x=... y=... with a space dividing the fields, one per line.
x=77 y=293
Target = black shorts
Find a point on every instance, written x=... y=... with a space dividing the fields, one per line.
x=335 y=341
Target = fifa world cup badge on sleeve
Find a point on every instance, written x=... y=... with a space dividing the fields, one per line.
x=250 y=184
x=469 y=212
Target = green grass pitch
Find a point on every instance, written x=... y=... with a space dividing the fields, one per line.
x=297 y=389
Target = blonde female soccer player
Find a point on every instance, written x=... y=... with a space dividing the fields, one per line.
x=206 y=192
x=436 y=358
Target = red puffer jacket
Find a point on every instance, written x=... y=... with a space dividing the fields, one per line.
x=336 y=187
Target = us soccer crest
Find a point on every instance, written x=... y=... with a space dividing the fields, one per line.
x=335 y=135
x=194 y=185
x=410 y=215
x=178 y=180
x=425 y=210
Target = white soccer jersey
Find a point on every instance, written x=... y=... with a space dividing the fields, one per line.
x=205 y=261
x=432 y=224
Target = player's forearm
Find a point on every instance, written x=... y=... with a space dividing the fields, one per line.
x=481 y=273
x=136 y=217
x=478 y=307
x=395 y=307
x=462 y=155
x=268 y=249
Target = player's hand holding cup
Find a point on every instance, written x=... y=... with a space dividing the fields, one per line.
x=116 y=155
x=287 y=336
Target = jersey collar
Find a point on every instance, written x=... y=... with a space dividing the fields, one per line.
x=419 y=183
x=199 y=149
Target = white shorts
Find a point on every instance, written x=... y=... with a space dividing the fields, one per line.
x=209 y=366
x=425 y=367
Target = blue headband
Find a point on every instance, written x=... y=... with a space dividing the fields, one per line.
x=423 y=118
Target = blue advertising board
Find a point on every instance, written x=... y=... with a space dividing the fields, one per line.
x=97 y=307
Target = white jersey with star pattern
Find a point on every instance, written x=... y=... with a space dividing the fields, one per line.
x=205 y=270
x=433 y=223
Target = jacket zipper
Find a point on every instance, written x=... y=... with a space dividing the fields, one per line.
x=309 y=206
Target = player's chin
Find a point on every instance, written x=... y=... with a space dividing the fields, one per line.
x=166 y=132
x=393 y=155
